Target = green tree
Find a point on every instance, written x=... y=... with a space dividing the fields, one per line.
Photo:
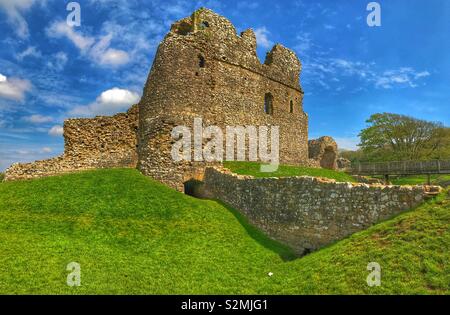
x=398 y=137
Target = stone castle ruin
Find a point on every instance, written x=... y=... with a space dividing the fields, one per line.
x=202 y=69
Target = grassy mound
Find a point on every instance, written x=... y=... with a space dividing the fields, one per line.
x=253 y=168
x=132 y=235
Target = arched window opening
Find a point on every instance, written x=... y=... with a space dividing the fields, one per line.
x=268 y=104
x=201 y=61
x=204 y=24
x=291 y=107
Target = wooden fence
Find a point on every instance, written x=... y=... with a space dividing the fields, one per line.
x=402 y=168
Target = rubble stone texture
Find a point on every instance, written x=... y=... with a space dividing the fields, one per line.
x=308 y=213
x=343 y=163
x=89 y=143
x=204 y=69
x=324 y=151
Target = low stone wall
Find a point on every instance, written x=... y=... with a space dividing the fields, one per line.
x=89 y=143
x=307 y=213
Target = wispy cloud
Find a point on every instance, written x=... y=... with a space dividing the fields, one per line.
x=31 y=51
x=13 y=88
x=262 y=37
x=14 y=153
x=322 y=70
x=38 y=119
x=14 y=10
x=97 y=49
x=56 y=131
x=402 y=76
x=347 y=143
x=57 y=61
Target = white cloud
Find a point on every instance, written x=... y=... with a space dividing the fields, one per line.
x=109 y=102
x=22 y=152
x=31 y=51
x=262 y=37
x=38 y=119
x=326 y=72
x=304 y=43
x=61 y=29
x=14 y=11
x=247 y=5
x=97 y=49
x=56 y=131
x=350 y=143
x=13 y=88
x=402 y=76
x=104 y=55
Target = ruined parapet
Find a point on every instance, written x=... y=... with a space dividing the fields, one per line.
x=100 y=142
x=325 y=151
x=204 y=69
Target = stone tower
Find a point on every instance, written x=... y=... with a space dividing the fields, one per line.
x=204 y=69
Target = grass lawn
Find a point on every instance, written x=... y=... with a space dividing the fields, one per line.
x=420 y=179
x=253 y=168
x=132 y=235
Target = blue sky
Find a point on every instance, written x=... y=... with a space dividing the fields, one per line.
x=50 y=72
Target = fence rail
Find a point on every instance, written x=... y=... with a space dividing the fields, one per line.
x=402 y=168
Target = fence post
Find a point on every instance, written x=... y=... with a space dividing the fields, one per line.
x=439 y=166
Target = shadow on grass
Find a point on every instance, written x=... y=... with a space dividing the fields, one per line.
x=285 y=252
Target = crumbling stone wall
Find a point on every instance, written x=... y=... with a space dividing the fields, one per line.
x=308 y=213
x=101 y=142
x=343 y=163
x=325 y=151
x=204 y=69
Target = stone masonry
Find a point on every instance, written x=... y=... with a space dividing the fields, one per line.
x=204 y=69
x=308 y=213
x=324 y=151
x=101 y=142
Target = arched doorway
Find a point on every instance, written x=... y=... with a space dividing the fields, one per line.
x=194 y=188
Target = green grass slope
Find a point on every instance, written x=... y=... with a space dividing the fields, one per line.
x=253 y=168
x=421 y=179
x=132 y=235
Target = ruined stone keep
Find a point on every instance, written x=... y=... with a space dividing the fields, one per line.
x=202 y=69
